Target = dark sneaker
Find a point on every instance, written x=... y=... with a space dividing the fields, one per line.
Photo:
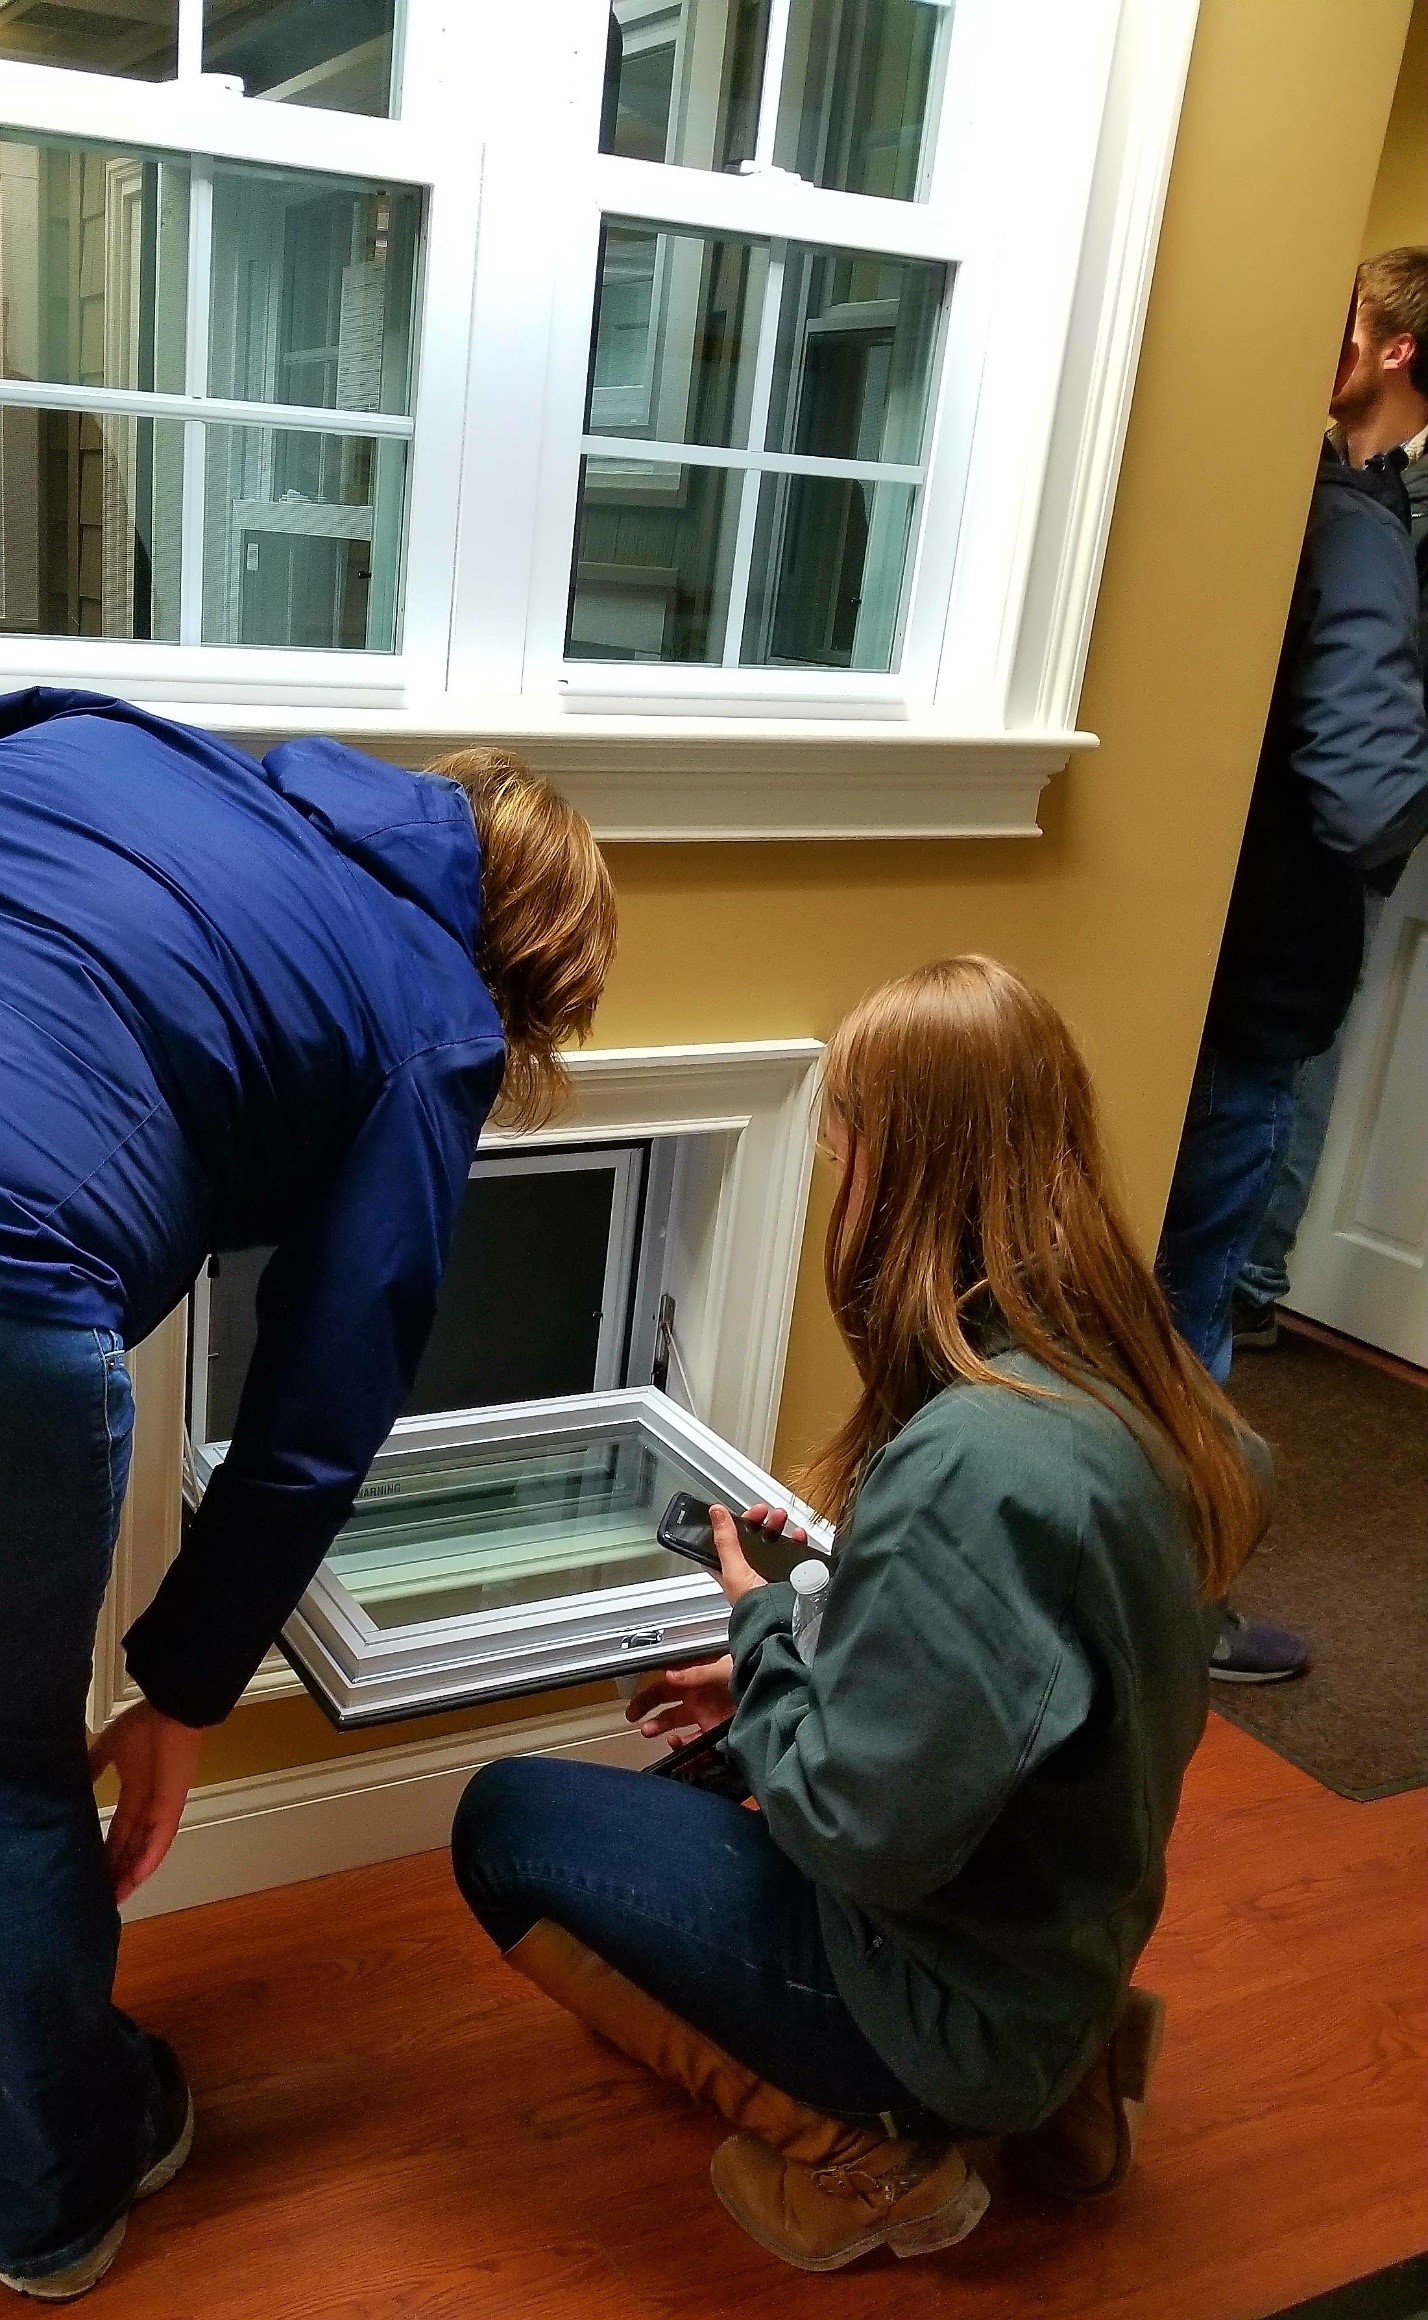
x=1251 y=1651
x=171 y=2131
x=1255 y=1327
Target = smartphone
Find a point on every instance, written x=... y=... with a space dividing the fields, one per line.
x=685 y=1528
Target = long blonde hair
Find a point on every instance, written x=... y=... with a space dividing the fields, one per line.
x=977 y=1192
x=547 y=934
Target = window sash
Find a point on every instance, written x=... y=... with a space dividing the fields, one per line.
x=363 y=1674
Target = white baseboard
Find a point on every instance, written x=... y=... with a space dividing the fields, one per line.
x=242 y=1836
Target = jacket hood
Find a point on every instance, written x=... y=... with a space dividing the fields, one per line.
x=411 y=831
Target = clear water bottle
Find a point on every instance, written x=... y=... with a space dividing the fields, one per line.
x=809 y=1582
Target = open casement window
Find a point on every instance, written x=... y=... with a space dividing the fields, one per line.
x=610 y=1330
x=720 y=398
x=505 y=1551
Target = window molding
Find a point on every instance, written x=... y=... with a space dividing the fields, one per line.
x=753 y=1100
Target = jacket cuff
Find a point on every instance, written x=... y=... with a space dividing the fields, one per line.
x=250 y=1552
x=765 y=1611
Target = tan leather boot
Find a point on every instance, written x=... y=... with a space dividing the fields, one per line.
x=871 y=2191
x=809 y=2188
x=1085 y=2149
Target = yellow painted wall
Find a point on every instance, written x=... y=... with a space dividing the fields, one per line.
x=1117 y=910
x=1399 y=209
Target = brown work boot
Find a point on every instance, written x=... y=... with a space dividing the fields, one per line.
x=812 y=2189
x=1085 y=2149
x=875 y=2191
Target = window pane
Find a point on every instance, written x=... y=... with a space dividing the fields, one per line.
x=853 y=373
x=682 y=80
x=89 y=524
x=858 y=79
x=676 y=330
x=302 y=539
x=520 y=1310
x=314 y=281
x=441 y=1536
x=139 y=42
x=654 y=553
x=337 y=53
x=830 y=556
x=93 y=265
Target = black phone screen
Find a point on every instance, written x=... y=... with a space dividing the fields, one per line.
x=685 y=1528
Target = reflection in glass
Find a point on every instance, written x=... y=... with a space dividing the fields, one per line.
x=89 y=524
x=682 y=80
x=93 y=265
x=856 y=110
x=337 y=53
x=853 y=370
x=440 y=1535
x=654 y=552
x=314 y=281
x=676 y=329
x=302 y=539
x=830 y=559
x=858 y=83
x=139 y=43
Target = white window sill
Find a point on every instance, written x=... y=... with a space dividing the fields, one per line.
x=651 y=777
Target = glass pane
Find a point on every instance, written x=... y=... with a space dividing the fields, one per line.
x=654 y=553
x=314 y=281
x=853 y=369
x=682 y=80
x=441 y=1535
x=89 y=524
x=830 y=557
x=337 y=53
x=302 y=539
x=858 y=84
x=139 y=42
x=93 y=265
x=676 y=331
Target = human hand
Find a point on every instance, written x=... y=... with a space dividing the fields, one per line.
x=156 y=1760
x=737 y=1575
x=680 y=1702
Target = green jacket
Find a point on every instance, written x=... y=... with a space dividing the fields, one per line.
x=981 y=1767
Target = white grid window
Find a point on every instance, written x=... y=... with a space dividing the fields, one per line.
x=415 y=371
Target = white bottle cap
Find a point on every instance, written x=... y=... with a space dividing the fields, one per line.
x=808 y=1578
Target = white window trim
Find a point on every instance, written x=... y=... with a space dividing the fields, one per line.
x=1020 y=497
x=757 y=1097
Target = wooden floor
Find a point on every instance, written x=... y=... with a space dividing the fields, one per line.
x=394 y=2127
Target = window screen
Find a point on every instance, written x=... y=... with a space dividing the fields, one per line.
x=535 y=1302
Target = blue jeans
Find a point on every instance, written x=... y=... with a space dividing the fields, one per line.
x=75 y=2076
x=1264 y=1276
x=690 y=1898
x=1237 y=1126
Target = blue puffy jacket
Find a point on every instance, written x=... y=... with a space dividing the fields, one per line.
x=238 y=1004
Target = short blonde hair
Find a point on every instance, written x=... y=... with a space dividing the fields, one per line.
x=547 y=934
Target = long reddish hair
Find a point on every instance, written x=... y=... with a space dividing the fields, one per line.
x=977 y=1192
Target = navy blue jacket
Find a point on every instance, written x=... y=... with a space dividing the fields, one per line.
x=1341 y=792
x=238 y=1004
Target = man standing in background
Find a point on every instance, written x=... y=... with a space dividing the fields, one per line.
x=1340 y=800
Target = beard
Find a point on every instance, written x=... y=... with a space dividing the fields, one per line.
x=1355 y=399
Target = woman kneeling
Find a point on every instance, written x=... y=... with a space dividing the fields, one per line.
x=927 y=1932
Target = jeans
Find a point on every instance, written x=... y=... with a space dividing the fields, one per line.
x=688 y=1896
x=76 y=2081
x=1236 y=1130
x=1264 y=1277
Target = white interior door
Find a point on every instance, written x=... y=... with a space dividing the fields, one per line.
x=1361 y=1262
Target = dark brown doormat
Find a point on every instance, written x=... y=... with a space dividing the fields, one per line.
x=1345 y=1563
